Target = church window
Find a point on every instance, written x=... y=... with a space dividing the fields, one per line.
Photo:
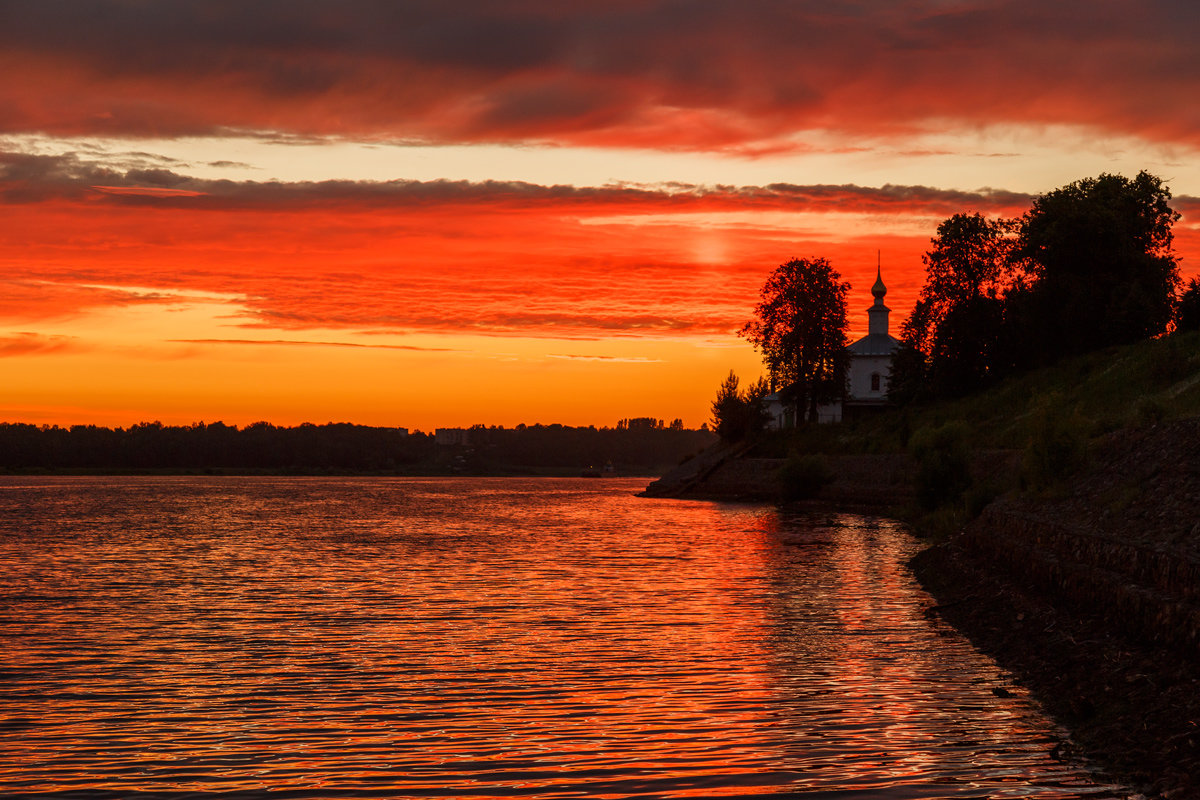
x=874 y=381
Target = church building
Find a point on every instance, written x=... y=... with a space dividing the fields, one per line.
x=867 y=374
x=870 y=359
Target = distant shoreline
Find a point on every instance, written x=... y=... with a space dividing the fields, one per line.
x=639 y=446
x=564 y=472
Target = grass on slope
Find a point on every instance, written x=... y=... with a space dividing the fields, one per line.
x=1094 y=394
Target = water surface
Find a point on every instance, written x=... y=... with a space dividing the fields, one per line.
x=478 y=638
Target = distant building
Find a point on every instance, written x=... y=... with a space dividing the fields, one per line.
x=451 y=437
x=867 y=374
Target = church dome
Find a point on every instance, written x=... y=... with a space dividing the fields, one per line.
x=878 y=290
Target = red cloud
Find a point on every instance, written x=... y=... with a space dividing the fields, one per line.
x=650 y=74
x=503 y=269
x=493 y=258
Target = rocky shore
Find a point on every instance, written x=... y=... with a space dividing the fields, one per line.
x=1089 y=592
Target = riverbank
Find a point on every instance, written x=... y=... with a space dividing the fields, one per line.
x=879 y=483
x=418 y=471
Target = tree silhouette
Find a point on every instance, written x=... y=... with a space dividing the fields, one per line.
x=1104 y=271
x=736 y=414
x=1187 y=314
x=1089 y=265
x=954 y=333
x=800 y=329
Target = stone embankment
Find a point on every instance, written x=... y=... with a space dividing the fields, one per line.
x=725 y=472
x=1121 y=538
x=1091 y=594
x=1148 y=592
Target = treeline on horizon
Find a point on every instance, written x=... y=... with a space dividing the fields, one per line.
x=637 y=443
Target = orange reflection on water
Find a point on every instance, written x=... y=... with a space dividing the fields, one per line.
x=482 y=638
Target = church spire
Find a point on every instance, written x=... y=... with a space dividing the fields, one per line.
x=877 y=315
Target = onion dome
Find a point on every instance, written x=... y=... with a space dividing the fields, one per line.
x=878 y=290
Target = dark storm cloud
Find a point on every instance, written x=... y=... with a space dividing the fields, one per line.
x=702 y=74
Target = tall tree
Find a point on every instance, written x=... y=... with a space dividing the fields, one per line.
x=800 y=329
x=1104 y=270
x=956 y=324
x=737 y=415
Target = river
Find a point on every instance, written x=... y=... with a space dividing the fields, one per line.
x=484 y=637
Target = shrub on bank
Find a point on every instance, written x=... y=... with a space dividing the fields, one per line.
x=803 y=476
x=1150 y=411
x=943 y=457
x=1056 y=448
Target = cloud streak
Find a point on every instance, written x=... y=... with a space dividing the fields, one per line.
x=302 y=343
x=613 y=359
x=26 y=343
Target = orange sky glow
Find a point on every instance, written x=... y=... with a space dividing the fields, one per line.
x=395 y=215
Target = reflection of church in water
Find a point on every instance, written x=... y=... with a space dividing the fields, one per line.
x=867 y=374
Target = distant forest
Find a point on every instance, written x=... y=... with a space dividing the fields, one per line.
x=634 y=445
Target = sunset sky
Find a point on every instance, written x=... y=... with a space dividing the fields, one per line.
x=436 y=214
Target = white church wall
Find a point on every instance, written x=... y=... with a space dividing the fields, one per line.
x=860 y=372
x=829 y=413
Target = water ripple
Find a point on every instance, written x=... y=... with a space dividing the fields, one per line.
x=346 y=638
